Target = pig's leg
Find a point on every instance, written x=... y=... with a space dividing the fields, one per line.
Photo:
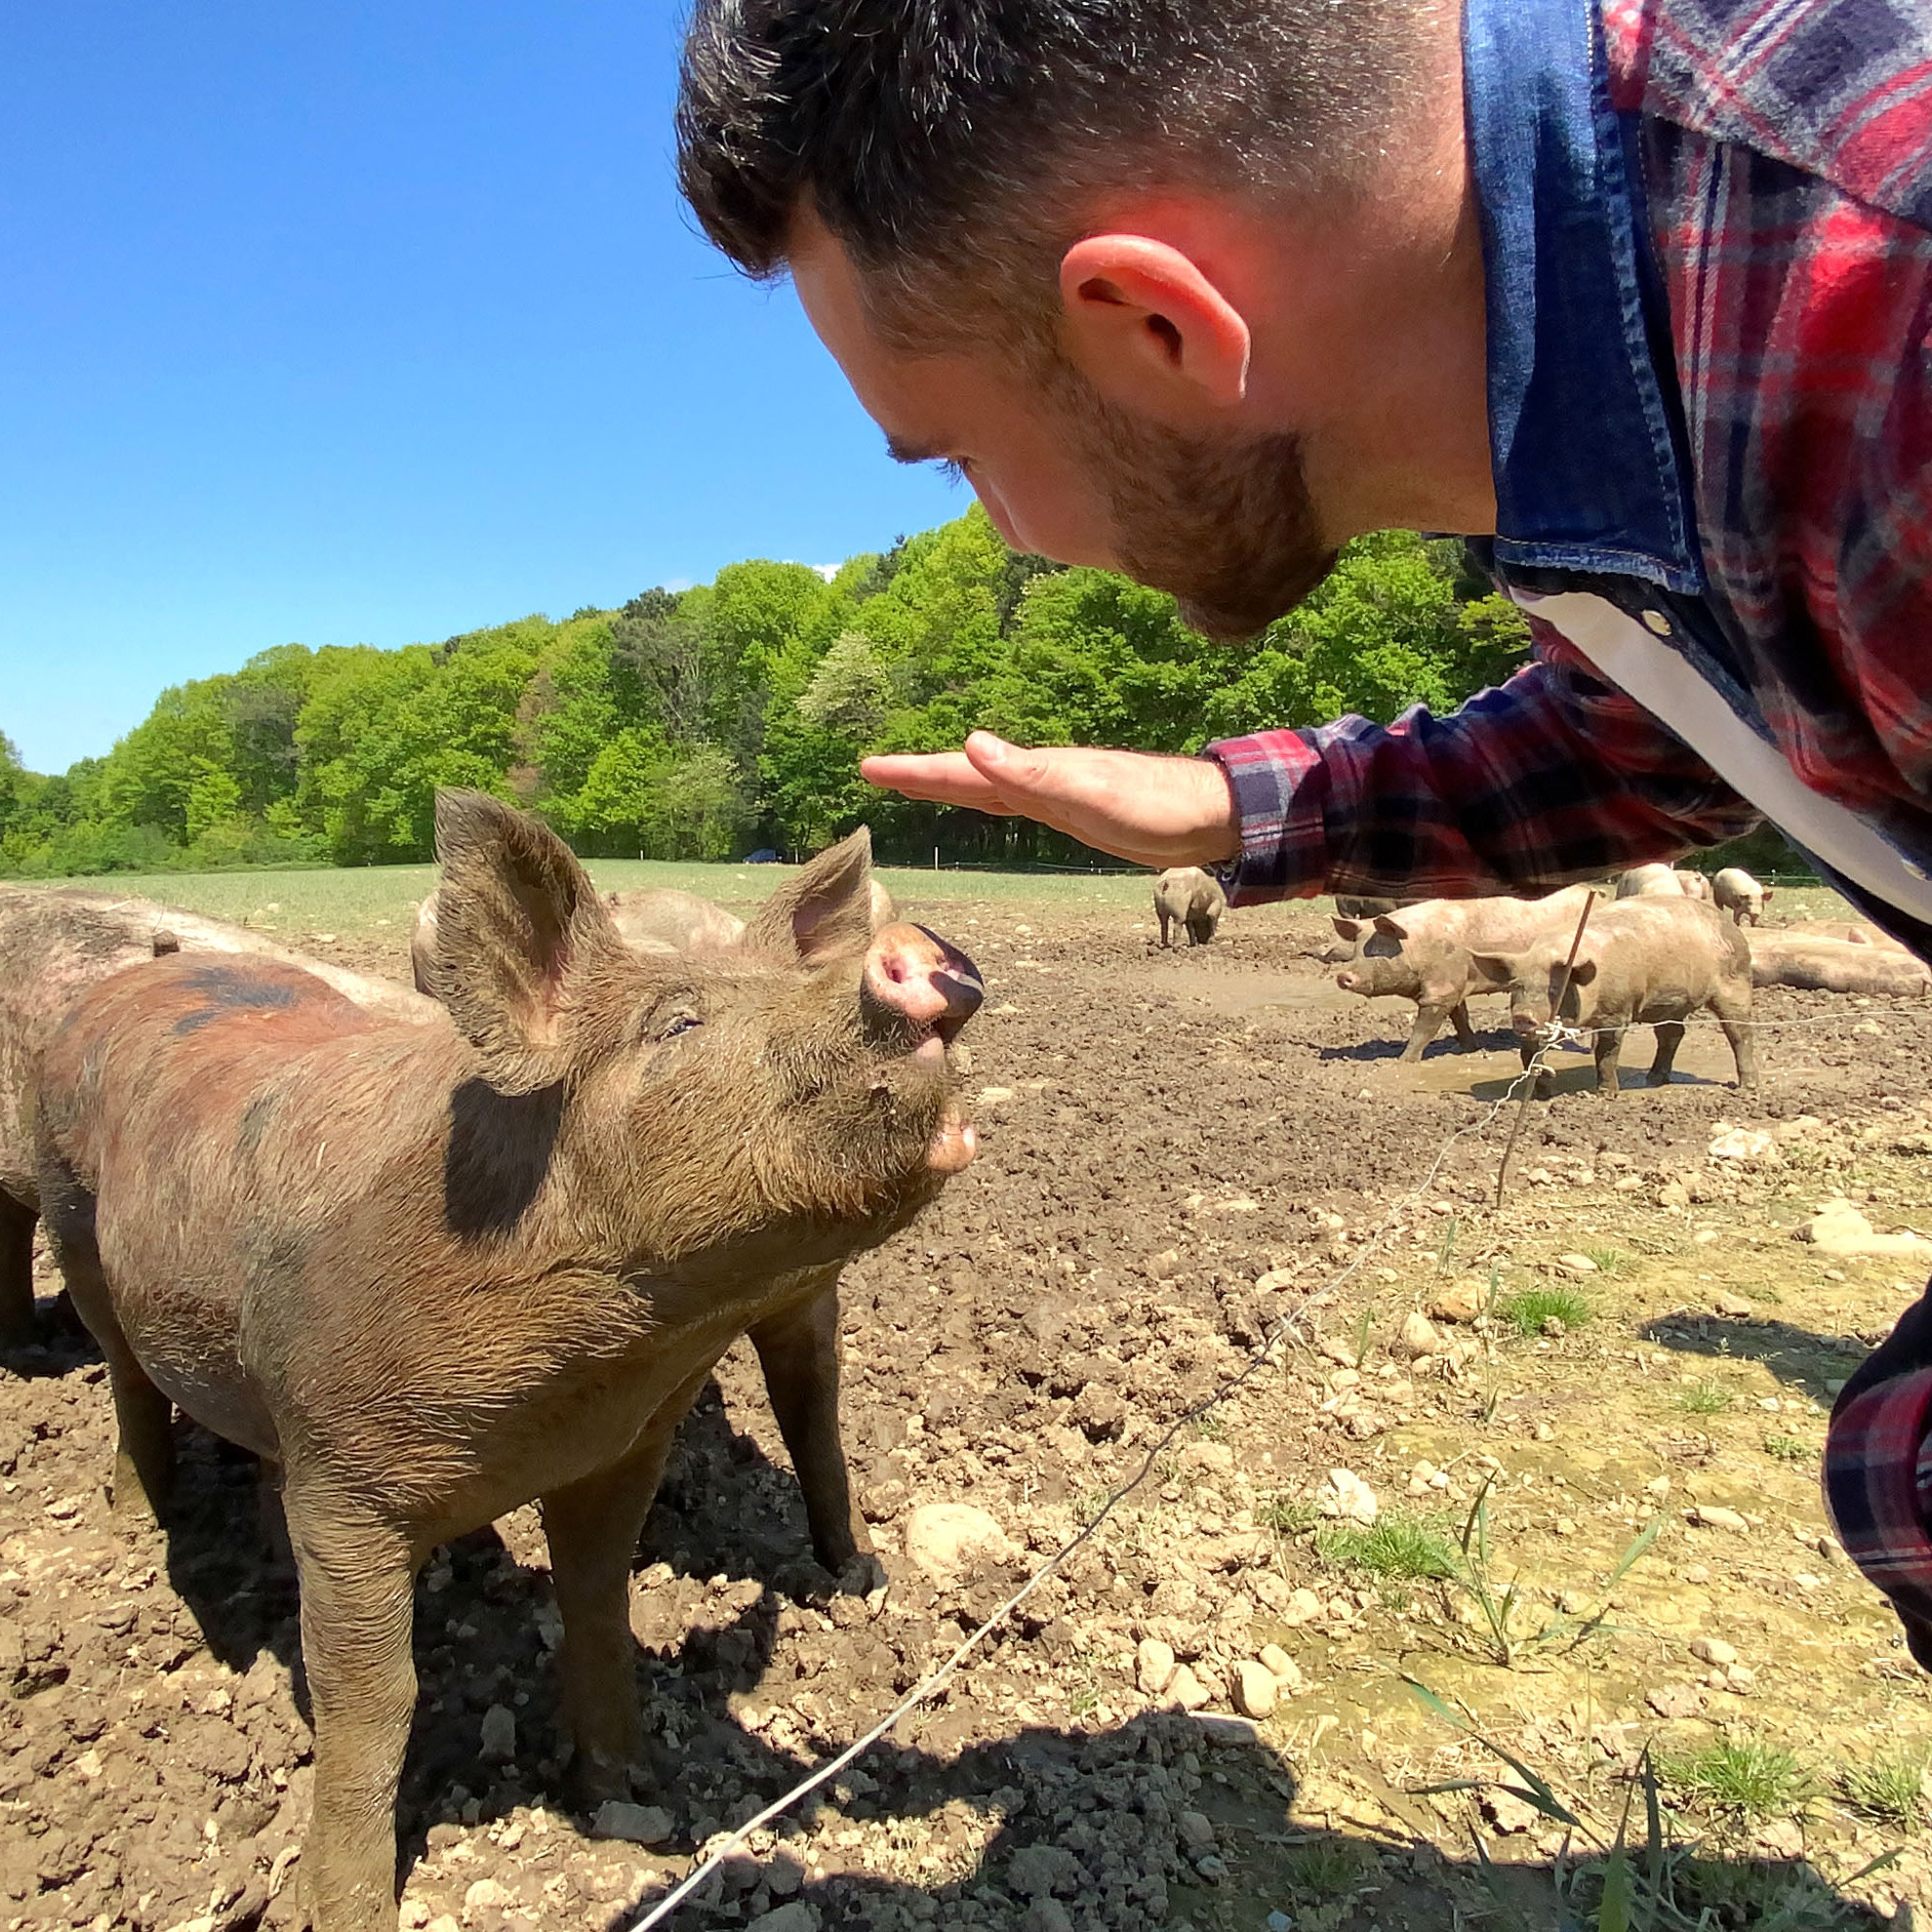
x=593 y=1528
x=356 y=1571
x=1670 y=1037
x=1545 y=1080
x=1430 y=1016
x=1609 y=1050
x=1459 y=1018
x=1734 y=1016
x=145 y=1453
x=798 y=1349
x=16 y=1221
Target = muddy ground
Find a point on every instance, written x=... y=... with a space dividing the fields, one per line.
x=1179 y=1151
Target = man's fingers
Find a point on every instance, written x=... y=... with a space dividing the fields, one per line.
x=945 y=778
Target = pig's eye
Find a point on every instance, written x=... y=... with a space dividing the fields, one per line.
x=678 y=1023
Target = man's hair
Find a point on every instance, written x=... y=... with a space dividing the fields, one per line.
x=970 y=135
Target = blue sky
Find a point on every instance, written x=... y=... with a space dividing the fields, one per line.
x=368 y=323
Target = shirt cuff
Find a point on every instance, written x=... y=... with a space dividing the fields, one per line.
x=1278 y=783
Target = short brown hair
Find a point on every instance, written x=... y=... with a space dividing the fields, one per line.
x=969 y=134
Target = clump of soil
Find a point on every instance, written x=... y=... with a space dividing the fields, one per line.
x=1183 y=1154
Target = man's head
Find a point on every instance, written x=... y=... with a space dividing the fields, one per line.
x=1017 y=223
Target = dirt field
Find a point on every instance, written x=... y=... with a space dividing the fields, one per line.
x=1178 y=1151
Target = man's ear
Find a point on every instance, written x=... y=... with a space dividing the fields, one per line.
x=825 y=911
x=520 y=932
x=1152 y=330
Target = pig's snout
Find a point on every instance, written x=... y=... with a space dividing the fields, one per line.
x=912 y=975
x=1349 y=982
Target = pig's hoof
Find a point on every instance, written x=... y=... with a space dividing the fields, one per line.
x=596 y=1779
x=862 y=1575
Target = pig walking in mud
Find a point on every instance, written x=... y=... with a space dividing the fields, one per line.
x=55 y=945
x=1647 y=961
x=1186 y=896
x=1422 y=953
x=433 y=1272
x=1739 y=894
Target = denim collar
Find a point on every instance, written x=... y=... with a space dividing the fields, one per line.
x=1586 y=434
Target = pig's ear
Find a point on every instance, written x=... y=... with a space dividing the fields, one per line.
x=1496 y=969
x=1769 y=890
x=825 y=911
x=1582 y=972
x=520 y=933
x=1394 y=928
x=1346 y=929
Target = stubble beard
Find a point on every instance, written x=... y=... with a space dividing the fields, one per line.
x=1227 y=527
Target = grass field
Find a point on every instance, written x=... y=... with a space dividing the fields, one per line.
x=361 y=899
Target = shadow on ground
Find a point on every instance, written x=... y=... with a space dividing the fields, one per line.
x=1800 y=1357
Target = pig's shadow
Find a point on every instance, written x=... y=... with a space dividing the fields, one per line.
x=1797 y=1356
x=1444 y=1046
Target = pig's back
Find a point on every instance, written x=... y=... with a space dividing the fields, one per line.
x=1498 y=923
x=1663 y=942
x=218 y=1110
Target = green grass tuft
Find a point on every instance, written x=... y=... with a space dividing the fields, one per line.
x=1610 y=1260
x=1286 y=1515
x=1529 y=1309
x=1744 y=1776
x=1891 y=1788
x=1704 y=1398
x=1788 y=1449
x=1326 y=1867
x=1394 y=1547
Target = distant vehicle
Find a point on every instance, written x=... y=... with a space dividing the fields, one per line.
x=764 y=856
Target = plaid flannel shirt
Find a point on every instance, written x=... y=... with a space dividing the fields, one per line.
x=1779 y=158
x=1708 y=237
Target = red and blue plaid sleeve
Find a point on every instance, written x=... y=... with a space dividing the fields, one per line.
x=1878 y=1488
x=1550 y=778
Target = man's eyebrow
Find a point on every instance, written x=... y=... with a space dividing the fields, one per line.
x=902 y=452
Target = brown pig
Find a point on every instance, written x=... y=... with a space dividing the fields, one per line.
x=1186 y=896
x=1647 y=961
x=1422 y=953
x=55 y=945
x=429 y=1273
x=798 y=1346
x=1817 y=964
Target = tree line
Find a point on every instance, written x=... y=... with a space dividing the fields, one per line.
x=710 y=722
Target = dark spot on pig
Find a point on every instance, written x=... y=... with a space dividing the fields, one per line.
x=230 y=989
x=274 y=1258
x=254 y=1122
x=498 y=1156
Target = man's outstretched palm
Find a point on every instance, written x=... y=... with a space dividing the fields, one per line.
x=1153 y=810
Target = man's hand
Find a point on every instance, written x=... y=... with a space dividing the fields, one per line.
x=1153 y=810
